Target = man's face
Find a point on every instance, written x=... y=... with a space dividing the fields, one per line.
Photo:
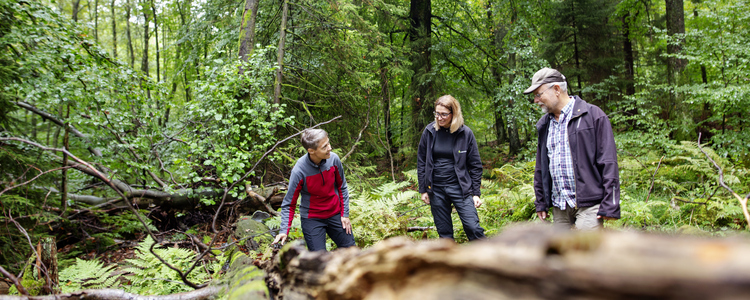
x=323 y=151
x=544 y=96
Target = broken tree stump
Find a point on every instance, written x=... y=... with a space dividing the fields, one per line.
x=528 y=262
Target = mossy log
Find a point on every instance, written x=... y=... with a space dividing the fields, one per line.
x=529 y=262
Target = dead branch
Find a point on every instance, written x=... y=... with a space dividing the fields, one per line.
x=53 y=119
x=743 y=201
x=32 y=179
x=653 y=179
x=114 y=294
x=15 y=281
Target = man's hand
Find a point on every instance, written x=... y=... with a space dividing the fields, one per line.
x=477 y=202
x=606 y=218
x=426 y=198
x=347 y=224
x=542 y=215
x=280 y=238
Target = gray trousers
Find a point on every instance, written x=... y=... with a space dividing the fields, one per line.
x=582 y=218
x=442 y=198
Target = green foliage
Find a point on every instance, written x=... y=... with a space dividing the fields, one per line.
x=87 y=274
x=150 y=277
x=383 y=211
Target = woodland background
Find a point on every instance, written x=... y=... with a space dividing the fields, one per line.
x=122 y=119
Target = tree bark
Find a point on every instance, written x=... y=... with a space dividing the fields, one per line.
x=675 y=15
x=421 y=90
x=144 y=58
x=498 y=34
x=627 y=47
x=156 y=44
x=49 y=261
x=96 y=21
x=130 y=39
x=76 y=6
x=114 y=30
x=280 y=57
x=527 y=262
x=247 y=29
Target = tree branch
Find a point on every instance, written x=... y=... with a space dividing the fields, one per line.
x=743 y=201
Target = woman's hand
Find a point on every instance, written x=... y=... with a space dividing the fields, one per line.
x=426 y=198
x=477 y=202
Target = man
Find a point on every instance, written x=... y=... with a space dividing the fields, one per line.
x=576 y=172
x=324 y=207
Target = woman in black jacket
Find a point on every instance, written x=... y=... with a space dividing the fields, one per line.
x=450 y=170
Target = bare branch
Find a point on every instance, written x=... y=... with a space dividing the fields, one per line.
x=32 y=179
x=653 y=179
x=15 y=281
x=743 y=201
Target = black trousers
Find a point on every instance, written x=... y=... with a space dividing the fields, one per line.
x=314 y=231
x=442 y=198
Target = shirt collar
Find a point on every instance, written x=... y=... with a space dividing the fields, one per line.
x=565 y=112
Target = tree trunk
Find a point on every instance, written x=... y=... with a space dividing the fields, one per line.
x=385 y=94
x=421 y=88
x=76 y=8
x=96 y=21
x=114 y=30
x=675 y=15
x=130 y=39
x=144 y=58
x=247 y=29
x=627 y=47
x=514 y=140
x=280 y=57
x=156 y=43
x=527 y=262
x=48 y=254
x=498 y=34
x=576 y=52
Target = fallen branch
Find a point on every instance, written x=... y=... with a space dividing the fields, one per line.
x=653 y=179
x=743 y=201
x=210 y=292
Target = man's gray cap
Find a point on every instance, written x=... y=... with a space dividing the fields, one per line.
x=545 y=75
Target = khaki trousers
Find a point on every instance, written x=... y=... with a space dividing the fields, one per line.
x=582 y=218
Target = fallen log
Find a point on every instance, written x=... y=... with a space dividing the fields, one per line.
x=210 y=292
x=528 y=262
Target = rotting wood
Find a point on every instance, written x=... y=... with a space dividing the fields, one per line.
x=528 y=262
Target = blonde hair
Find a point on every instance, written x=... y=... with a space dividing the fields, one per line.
x=451 y=104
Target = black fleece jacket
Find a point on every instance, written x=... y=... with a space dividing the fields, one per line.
x=594 y=153
x=468 y=165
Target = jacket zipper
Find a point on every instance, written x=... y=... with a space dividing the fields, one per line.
x=575 y=189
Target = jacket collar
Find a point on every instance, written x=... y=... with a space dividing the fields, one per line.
x=580 y=107
x=431 y=128
x=310 y=161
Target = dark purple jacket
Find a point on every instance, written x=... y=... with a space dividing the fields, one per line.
x=468 y=165
x=594 y=153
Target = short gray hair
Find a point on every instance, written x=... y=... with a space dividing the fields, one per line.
x=563 y=85
x=311 y=137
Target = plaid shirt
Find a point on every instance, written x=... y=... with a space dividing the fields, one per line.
x=560 y=160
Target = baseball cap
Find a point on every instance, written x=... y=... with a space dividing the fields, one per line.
x=545 y=75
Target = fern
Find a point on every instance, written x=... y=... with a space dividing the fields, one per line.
x=87 y=274
x=151 y=277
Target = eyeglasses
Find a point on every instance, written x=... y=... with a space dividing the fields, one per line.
x=537 y=96
x=442 y=116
